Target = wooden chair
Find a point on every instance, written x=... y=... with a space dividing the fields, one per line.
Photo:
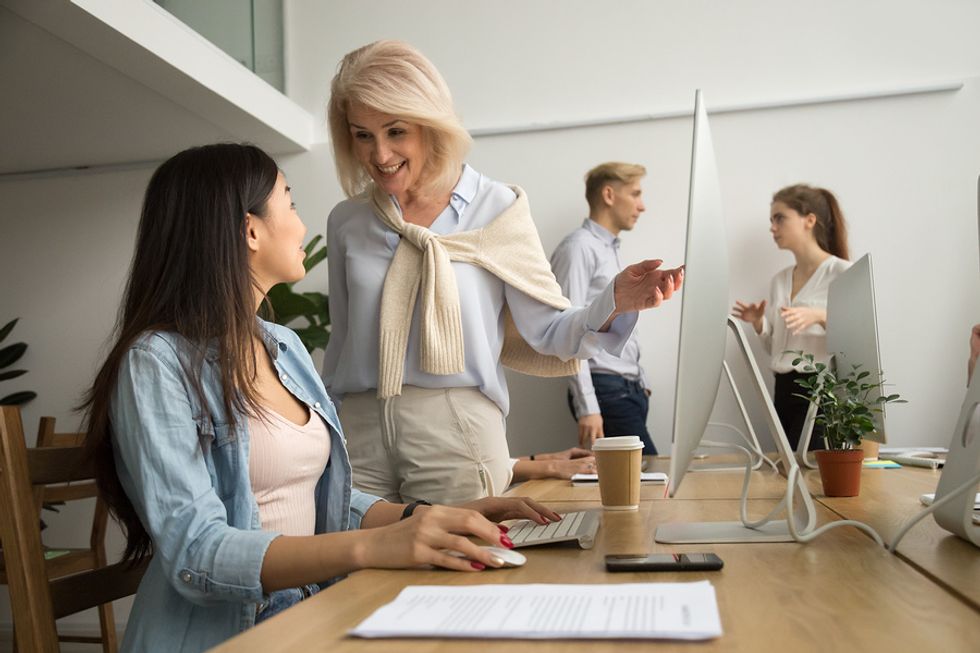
x=42 y=591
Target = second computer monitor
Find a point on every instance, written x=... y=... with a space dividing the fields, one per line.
x=852 y=328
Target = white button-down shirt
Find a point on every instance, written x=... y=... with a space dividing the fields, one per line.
x=585 y=263
x=776 y=338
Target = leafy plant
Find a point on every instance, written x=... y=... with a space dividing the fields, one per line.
x=8 y=356
x=288 y=305
x=847 y=401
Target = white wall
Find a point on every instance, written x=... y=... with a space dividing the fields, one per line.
x=904 y=169
x=901 y=167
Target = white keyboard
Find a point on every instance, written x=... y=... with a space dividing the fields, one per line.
x=574 y=526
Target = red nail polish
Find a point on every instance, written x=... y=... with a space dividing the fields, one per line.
x=479 y=566
x=503 y=529
x=506 y=542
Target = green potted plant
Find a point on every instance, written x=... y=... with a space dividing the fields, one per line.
x=8 y=356
x=847 y=403
x=286 y=305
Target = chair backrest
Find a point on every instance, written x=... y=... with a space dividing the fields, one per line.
x=23 y=474
x=72 y=491
x=47 y=437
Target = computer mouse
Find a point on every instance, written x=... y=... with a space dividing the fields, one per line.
x=510 y=557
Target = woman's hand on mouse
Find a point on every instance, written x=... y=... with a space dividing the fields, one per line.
x=426 y=537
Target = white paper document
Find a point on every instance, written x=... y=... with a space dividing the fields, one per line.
x=540 y=611
x=646 y=478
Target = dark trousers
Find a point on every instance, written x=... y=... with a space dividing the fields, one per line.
x=792 y=410
x=623 y=405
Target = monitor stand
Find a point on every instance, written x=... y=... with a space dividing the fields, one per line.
x=962 y=465
x=754 y=441
x=722 y=532
x=804 y=444
x=798 y=503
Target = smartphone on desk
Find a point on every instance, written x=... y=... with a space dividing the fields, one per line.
x=663 y=562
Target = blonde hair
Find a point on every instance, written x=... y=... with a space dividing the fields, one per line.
x=393 y=77
x=604 y=174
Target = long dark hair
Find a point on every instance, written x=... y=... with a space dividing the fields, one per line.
x=831 y=228
x=189 y=275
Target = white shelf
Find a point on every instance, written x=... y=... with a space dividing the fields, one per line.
x=105 y=83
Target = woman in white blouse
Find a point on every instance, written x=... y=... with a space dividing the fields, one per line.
x=437 y=280
x=808 y=222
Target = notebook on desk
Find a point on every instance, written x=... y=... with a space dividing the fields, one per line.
x=577 y=527
x=592 y=480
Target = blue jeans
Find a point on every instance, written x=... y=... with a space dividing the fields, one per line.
x=623 y=405
x=279 y=600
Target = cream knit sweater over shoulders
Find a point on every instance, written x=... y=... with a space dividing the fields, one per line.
x=508 y=247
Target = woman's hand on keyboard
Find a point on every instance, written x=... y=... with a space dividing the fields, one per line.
x=568 y=468
x=501 y=508
x=565 y=454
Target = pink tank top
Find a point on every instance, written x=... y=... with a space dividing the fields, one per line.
x=284 y=464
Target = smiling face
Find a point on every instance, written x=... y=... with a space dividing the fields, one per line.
x=275 y=240
x=789 y=229
x=392 y=150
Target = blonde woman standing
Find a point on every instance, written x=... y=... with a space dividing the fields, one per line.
x=809 y=223
x=437 y=280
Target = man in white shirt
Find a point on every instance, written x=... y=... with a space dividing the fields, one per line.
x=609 y=396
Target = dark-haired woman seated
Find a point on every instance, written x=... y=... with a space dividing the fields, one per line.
x=217 y=446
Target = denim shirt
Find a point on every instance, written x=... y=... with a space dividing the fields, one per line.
x=186 y=472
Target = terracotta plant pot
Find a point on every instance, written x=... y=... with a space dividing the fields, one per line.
x=840 y=471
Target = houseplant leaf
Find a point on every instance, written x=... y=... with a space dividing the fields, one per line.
x=12 y=374
x=312 y=259
x=17 y=398
x=11 y=354
x=322 y=312
x=314 y=337
x=7 y=328
x=288 y=305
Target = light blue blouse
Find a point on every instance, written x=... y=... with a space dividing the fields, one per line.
x=359 y=250
x=186 y=472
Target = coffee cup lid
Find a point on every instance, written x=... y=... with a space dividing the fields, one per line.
x=617 y=443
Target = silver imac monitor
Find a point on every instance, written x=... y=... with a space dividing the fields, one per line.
x=852 y=328
x=963 y=461
x=701 y=355
x=704 y=305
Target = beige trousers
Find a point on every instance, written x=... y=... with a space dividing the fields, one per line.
x=445 y=445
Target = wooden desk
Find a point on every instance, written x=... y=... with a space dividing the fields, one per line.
x=841 y=592
x=888 y=499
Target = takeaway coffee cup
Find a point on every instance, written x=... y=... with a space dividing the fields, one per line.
x=618 y=461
